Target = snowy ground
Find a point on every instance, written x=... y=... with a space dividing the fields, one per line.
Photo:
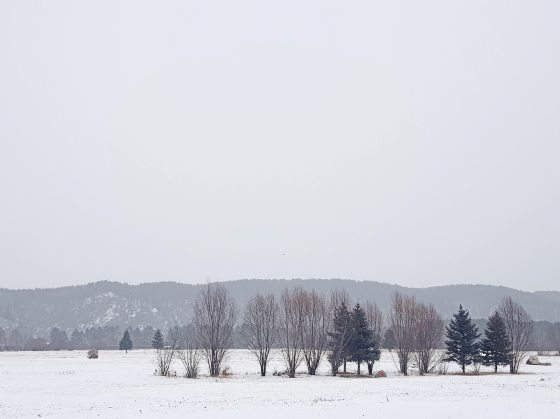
x=119 y=385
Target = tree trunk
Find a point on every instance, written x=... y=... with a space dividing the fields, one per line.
x=344 y=365
x=370 y=368
x=359 y=364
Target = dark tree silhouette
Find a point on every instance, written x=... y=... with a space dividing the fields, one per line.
x=58 y=339
x=157 y=340
x=76 y=340
x=462 y=339
x=363 y=346
x=339 y=337
x=496 y=346
x=126 y=342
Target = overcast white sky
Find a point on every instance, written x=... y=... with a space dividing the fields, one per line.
x=411 y=142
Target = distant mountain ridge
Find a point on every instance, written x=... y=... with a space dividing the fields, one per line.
x=161 y=304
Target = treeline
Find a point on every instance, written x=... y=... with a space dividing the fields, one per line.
x=309 y=327
x=545 y=335
x=106 y=337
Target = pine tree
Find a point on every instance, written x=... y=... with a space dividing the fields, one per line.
x=363 y=345
x=462 y=336
x=157 y=340
x=125 y=343
x=58 y=339
x=339 y=338
x=496 y=347
x=3 y=341
x=76 y=340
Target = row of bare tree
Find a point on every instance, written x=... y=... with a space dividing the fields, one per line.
x=417 y=332
x=303 y=324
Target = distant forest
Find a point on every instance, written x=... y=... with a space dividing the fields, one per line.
x=96 y=315
x=546 y=338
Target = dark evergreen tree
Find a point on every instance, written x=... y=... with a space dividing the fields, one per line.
x=126 y=342
x=76 y=340
x=3 y=340
x=363 y=346
x=495 y=347
x=157 y=340
x=339 y=338
x=58 y=339
x=462 y=339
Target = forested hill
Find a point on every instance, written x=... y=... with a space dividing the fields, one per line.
x=165 y=303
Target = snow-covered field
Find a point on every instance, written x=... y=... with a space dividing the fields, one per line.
x=119 y=385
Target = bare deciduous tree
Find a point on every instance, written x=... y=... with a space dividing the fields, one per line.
x=429 y=333
x=375 y=320
x=337 y=297
x=214 y=319
x=189 y=352
x=291 y=322
x=519 y=326
x=315 y=328
x=402 y=320
x=164 y=357
x=259 y=327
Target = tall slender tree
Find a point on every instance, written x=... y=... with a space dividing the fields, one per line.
x=496 y=346
x=291 y=321
x=126 y=342
x=315 y=329
x=339 y=337
x=3 y=341
x=375 y=320
x=259 y=329
x=157 y=340
x=363 y=346
x=462 y=339
x=519 y=327
x=403 y=322
x=214 y=319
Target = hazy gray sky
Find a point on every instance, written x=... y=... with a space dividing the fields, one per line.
x=412 y=142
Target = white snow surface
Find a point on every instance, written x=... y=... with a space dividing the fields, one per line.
x=118 y=385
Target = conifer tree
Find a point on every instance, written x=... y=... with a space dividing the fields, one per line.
x=58 y=339
x=339 y=337
x=462 y=339
x=363 y=345
x=126 y=342
x=157 y=340
x=496 y=346
x=3 y=341
x=76 y=340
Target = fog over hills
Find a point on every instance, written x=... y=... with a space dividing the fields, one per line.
x=166 y=303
